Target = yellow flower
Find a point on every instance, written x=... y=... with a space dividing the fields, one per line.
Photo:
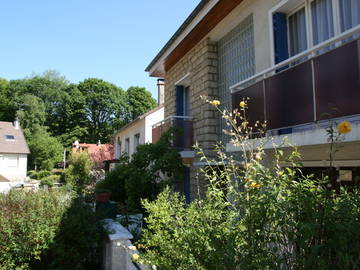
x=242 y=104
x=255 y=185
x=135 y=257
x=344 y=127
x=215 y=102
x=132 y=247
x=258 y=156
x=140 y=246
x=280 y=173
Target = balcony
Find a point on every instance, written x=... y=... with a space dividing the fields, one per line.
x=183 y=140
x=306 y=88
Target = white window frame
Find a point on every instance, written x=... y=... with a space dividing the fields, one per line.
x=127 y=145
x=136 y=140
x=118 y=146
x=17 y=161
x=293 y=6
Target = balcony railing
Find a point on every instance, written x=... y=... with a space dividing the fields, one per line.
x=183 y=124
x=308 y=87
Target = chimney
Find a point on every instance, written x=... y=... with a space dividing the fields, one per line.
x=99 y=143
x=16 y=123
x=76 y=144
x=161 y=89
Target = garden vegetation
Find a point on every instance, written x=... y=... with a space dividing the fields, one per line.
x=255 y=216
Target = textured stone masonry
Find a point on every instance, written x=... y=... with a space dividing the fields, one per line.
x=201 y=63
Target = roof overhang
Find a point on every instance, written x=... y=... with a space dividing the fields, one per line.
x=200 y=22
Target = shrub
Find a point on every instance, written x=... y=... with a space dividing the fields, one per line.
x=46 y=230
x=79 y=172
x=28 y=225
x=50 y=180
x=255 y=216
x=38 y=175
x=150 y=169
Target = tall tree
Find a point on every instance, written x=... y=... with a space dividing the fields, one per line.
x=105 y=106
x=7 y=105
x=139 y=101
x=45 y=149
x=69 y=117
x=31 y=112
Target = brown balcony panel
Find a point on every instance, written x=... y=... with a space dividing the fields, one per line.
x=337 y=81
x=256 y=110
x=289 y=97
x=185 y=139
x=156 y=134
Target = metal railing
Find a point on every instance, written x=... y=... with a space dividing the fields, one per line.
x=307 y=54
x=183 y=124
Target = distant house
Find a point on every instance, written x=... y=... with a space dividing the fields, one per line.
x=137 y=132
x=97 y=152
x=13 y=153
x=140 y=130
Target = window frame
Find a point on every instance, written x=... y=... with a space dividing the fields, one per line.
x=136 y=140
x=127 y=145
x=308 y=19
x=9 y=137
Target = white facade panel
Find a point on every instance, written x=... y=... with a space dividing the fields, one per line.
x=13 y=166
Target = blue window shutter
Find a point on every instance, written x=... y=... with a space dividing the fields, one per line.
x=187 y=184
x=280 y=37
x=180 y=100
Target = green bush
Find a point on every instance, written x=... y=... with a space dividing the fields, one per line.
x=28 y=225
x=255 y=216
x=79 y=172
x=150 y=169
x=38 y=175
x=50 y=180
x=46 y=230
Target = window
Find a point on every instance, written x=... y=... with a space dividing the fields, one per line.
x=12 y=161
x=297 y=32
x=349 y=14
x=118 y=147
x=136 y=140
x=322 y=20
x=182 y=101
x=9 y=137
x=309 y=23
x=127 y=146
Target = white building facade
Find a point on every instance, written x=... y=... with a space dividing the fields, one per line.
x=13 y=153
x=137 y=132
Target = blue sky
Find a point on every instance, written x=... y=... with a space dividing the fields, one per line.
x=109 y=39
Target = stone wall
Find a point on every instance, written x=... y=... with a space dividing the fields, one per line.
x=201 y=65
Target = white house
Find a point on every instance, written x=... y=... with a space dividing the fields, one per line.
x=139 y=131
x=13 y=153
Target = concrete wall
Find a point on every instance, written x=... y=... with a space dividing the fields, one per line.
x=151 y=120
x=137 y=128
x=13 y=166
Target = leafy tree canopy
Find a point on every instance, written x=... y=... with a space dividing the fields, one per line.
x=140 y=101
x=89 y=111
x=104 y=103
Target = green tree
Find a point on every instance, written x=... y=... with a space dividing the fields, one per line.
x=31 y=113
x=7 y=106
x=69 y=121
x=45 y=150
x=79 y=172
x=139 y=101
x=105 y=108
